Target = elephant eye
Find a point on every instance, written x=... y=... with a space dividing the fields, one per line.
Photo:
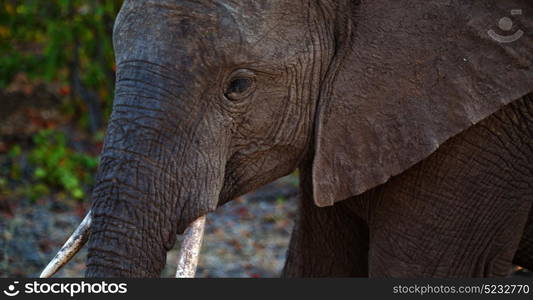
x=239 y=87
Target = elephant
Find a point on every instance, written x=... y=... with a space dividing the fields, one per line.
x=411 y=126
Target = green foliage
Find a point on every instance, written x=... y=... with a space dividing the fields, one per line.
x=67 y=45
x=47 y=39
x=15 y=171
x=15 y=151
x=57 y=165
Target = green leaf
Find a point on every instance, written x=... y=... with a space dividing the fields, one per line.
x=77 y=193
x=40 y=173
x=15 y=151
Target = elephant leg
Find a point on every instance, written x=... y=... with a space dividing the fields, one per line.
x=524 y=255
x=326 y=242
x=462 y=211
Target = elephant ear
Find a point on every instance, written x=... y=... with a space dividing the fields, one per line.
x=410 y=75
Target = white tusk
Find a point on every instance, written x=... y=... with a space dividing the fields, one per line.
x=70 y=248
x=190 y=249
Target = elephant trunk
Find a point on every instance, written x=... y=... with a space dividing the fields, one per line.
x=164 y=157
x=132 y=225
x=154 y=177
x=130 y=233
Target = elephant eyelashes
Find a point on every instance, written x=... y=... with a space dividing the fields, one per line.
x=240 y=86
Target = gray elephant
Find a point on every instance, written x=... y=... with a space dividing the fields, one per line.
x=411 y=123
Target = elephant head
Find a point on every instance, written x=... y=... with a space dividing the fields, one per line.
x=215 y=98
x=212 y=100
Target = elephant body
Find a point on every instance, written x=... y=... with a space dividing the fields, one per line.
x=462 y=212
x=410 y=124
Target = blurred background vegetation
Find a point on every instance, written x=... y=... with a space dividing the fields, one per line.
x=56 y=89
x=56 y=82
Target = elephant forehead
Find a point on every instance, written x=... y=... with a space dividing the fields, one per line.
x=162 y=29
x=271 y=29
x=245 y=30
